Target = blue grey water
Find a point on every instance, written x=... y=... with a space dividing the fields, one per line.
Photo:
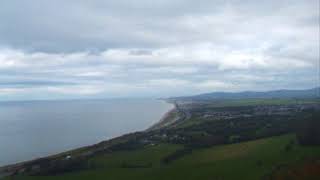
x=35 y=129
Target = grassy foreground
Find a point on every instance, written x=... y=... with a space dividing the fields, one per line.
x=247 y=160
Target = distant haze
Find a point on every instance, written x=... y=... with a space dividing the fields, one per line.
x=35 y=129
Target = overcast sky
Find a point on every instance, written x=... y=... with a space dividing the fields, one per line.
x=143 y=48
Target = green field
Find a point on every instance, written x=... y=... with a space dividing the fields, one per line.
x=247 y=160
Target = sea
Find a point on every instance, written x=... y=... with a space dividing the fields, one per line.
x=34 y=129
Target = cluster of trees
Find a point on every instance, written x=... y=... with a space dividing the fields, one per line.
x=235 y=130
x=308 y=131
x=176 y=155
x=306 y=124
x=53 y=167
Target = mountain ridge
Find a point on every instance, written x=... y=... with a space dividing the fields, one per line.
x=282 y=93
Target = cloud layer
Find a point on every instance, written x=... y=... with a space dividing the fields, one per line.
x=137 y=48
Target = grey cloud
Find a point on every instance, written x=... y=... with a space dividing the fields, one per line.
x=141 y=52
x=136 y=48
x=56 y=26
x=33 y=83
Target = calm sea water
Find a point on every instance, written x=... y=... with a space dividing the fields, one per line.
x=34 y=129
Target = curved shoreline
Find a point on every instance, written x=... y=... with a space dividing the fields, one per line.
x=164 y=121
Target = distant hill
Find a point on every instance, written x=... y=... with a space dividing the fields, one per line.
x=307 y=93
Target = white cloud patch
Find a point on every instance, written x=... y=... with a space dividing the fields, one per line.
x=217 y=85
x=6 y=91
x=117 y=49
x=77 y=90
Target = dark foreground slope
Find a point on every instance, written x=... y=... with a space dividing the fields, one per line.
x=242 y=139
x=248 y=160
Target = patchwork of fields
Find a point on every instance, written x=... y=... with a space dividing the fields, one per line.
x=247 y=160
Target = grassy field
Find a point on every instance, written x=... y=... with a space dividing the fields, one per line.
x=248 y=160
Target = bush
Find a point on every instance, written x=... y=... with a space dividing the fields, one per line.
x=176 y=155
x=309 y=130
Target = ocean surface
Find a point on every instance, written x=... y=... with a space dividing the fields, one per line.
x=34 y=129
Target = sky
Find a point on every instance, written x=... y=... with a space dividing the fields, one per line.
x=141 y=48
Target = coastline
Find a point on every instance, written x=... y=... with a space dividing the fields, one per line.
x=167 y=119
x=163 y=121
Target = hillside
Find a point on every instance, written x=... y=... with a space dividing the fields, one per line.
x=277 y=94
x=249 y=160
x=253 y=138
